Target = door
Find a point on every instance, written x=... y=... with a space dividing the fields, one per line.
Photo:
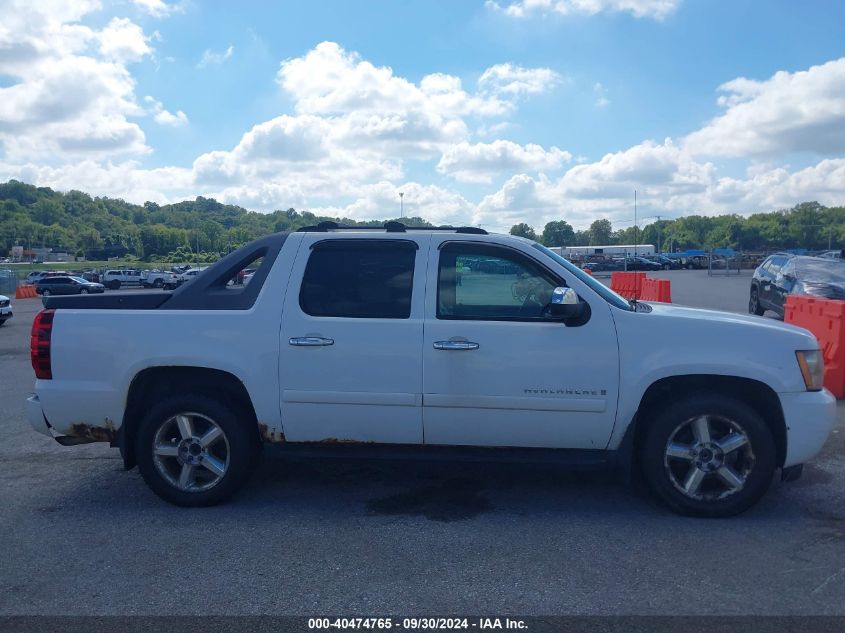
x=351 y=350
x=770 y=271
x=497 y=371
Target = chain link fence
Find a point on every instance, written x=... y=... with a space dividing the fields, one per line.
x=8 y=282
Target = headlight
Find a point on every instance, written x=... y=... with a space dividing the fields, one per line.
x=811 y=363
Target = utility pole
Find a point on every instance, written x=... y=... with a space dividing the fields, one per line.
x=658 y=234
x=401 y=204
x=636 y=228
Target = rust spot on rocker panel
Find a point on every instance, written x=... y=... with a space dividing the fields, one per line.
x=270 y=434
x=105 y=433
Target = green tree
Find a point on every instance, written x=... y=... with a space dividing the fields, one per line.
x=523 y=230
x=558 y=233
x=600 y=232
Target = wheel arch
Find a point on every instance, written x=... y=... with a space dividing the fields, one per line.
x=155 y=383
x=760 y=396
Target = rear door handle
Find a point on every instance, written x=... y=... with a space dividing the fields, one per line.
x=455 y=345
x=310 y=341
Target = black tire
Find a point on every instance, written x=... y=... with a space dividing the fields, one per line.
x=754 y=306
x=84 y=291
x=114 y=285
x=758 y=457
x=158 y=283
x=241 y=441
x=2 y=322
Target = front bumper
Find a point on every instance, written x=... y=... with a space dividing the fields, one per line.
x=810 y=417
x=35 y=415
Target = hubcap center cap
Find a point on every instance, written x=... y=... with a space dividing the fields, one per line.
x=709 y=457
x=190 y=451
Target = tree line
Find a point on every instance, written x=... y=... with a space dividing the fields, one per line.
x=100 y=227
x=807 y=225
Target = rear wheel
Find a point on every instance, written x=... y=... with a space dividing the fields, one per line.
x=158 y=283
x=754 y=306
x=84 y=291
x=195 y=450
x=708 y=456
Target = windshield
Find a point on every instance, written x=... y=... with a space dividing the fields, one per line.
x=606 y=293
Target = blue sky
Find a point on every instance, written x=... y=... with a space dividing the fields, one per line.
x=480 y=112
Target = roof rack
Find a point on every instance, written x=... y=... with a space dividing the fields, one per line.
x=391 y=227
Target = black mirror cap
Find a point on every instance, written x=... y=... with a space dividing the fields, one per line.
x=571 y=314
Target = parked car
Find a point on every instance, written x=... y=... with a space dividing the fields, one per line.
x=34 y=276
x=47 y=286
x=641 y=263
x=379 y=344
x=666 y=263
x=5 y=309
x=248 y=278
x=240 y=278
x=189 y=275
x=782 y=274
x=114 y=279
x=159 y=279
x=832 y=254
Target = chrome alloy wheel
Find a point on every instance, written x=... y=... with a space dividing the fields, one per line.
x=191 y=452
x=708 y=457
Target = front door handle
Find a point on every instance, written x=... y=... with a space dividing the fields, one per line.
x=455 y=345
x=310 y=341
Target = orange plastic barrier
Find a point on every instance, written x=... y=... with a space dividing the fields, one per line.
x=629 y=285
x=826 y=320
x=656 y=290
x=25 y=291
x=588 y=271
x=636 y=285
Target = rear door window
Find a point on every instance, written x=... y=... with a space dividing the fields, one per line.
x=359 y=279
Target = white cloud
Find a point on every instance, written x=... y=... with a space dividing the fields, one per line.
x=601 y=95
x=124 y=41
x=656 y=9
x=789 y=112
x=482 y=161
x=164 y=117
x=516 y=80
x=157 y=8
x=72 y=95
x=210 y=57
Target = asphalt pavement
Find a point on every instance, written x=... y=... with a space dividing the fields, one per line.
x=83 y=536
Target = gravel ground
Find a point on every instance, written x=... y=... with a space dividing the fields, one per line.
x=83 y=536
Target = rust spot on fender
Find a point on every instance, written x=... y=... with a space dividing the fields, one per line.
x=105 y=433
x=270 y=434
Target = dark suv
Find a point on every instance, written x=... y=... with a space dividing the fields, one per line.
x=67 y=285
x=783 y=274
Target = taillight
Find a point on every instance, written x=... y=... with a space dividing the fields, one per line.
x=39 y=344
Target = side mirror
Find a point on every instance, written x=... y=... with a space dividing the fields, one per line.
x=565 y=304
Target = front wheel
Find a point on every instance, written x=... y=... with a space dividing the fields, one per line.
x=158 y=283
x=84 y=291
x=708 y=456
x=194 y=450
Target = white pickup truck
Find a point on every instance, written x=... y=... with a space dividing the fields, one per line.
x=446 y=342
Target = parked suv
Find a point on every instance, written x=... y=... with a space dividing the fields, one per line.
x=428 y=342
x=114 y=279
x=47 y=286
x=783 y=274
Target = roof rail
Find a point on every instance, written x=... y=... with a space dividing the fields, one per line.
x=393 y=226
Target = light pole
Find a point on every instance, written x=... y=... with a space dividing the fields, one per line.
x=401 y=204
